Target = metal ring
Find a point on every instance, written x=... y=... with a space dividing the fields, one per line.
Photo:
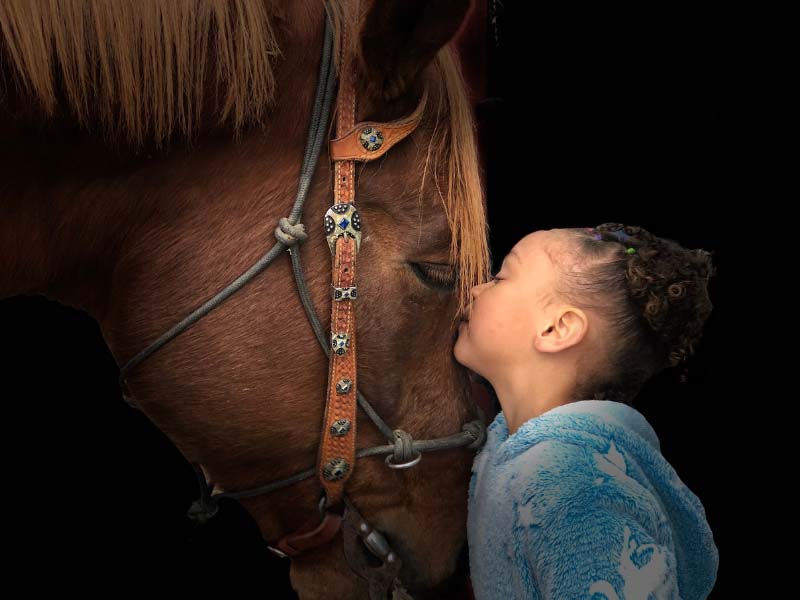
x=322 y=503
x=277 y=552
x=404 y=465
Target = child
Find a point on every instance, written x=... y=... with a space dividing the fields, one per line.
x=570 y=497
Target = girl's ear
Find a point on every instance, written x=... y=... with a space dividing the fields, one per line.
x=568 y=327
x=399 y=38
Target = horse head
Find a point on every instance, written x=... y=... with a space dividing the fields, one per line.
x=152 y=151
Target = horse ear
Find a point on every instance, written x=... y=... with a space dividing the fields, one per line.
x=399 y=38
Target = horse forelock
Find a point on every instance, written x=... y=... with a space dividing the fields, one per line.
x=455 y=154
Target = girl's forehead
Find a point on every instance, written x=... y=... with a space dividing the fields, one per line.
x=541 y=252
x=543 y=240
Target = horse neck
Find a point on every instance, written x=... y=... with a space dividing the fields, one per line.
x=60 y=223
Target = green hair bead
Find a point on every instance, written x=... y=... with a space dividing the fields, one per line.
x=631 y=250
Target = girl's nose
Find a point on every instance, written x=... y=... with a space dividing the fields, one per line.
x=477 y=290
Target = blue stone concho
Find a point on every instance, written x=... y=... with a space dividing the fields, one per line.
x=340 y=427
x=344 y=293
x=336 y=468
x=340 y=342
x=371 y=138
x=342 y=219
x=344 y=385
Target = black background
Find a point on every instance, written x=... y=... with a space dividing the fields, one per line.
x=667 y=116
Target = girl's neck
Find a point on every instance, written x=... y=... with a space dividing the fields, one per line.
x=532 y=394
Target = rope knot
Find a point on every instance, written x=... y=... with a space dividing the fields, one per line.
x=403 y=446
x=206 y=506
x=476 y=429
x=203 y=509
x=290 y=234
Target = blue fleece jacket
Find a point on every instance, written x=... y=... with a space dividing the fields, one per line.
x=580 y=503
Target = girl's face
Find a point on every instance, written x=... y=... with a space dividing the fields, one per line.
x=506 y=313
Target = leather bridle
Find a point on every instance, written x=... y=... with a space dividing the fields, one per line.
x=337 y=452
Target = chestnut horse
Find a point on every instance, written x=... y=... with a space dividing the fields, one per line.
x=150 y=149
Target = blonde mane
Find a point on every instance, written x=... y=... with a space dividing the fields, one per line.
x=139 y=66
x=462 y=196
x=106 y=59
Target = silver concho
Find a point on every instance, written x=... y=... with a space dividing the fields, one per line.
x=340 y=342
x=344 y=385
x=340 y=427
x=342 y=219
x=344 y=293
x=335 y=469
x=371 y=138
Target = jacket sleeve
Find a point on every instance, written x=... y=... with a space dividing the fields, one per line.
x=587 y=531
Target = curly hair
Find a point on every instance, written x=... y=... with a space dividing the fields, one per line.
x=653 y=295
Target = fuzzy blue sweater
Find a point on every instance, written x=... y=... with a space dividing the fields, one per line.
x=580 y=503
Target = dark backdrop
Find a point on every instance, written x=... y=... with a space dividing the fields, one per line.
x=666 y=116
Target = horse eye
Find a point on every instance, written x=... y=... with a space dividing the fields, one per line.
x=439 y=276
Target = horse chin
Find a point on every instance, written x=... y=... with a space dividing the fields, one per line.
x=454 y=586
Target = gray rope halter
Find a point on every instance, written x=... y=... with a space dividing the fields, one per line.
x=403 y=450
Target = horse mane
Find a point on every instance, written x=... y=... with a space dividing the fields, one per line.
x=108 y=59
x=104 y=62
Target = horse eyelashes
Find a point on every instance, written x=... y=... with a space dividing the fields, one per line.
x=435 y=276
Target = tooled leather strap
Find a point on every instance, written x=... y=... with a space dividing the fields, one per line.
x=337 y=448
x=370 y=139
x=311 y=534
x=363 y=142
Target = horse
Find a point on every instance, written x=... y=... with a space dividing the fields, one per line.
x=151 y=148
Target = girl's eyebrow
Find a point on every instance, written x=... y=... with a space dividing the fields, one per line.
x=503 y=264
x=514 y=254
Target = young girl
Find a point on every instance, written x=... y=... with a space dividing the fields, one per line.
x=570 y=497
